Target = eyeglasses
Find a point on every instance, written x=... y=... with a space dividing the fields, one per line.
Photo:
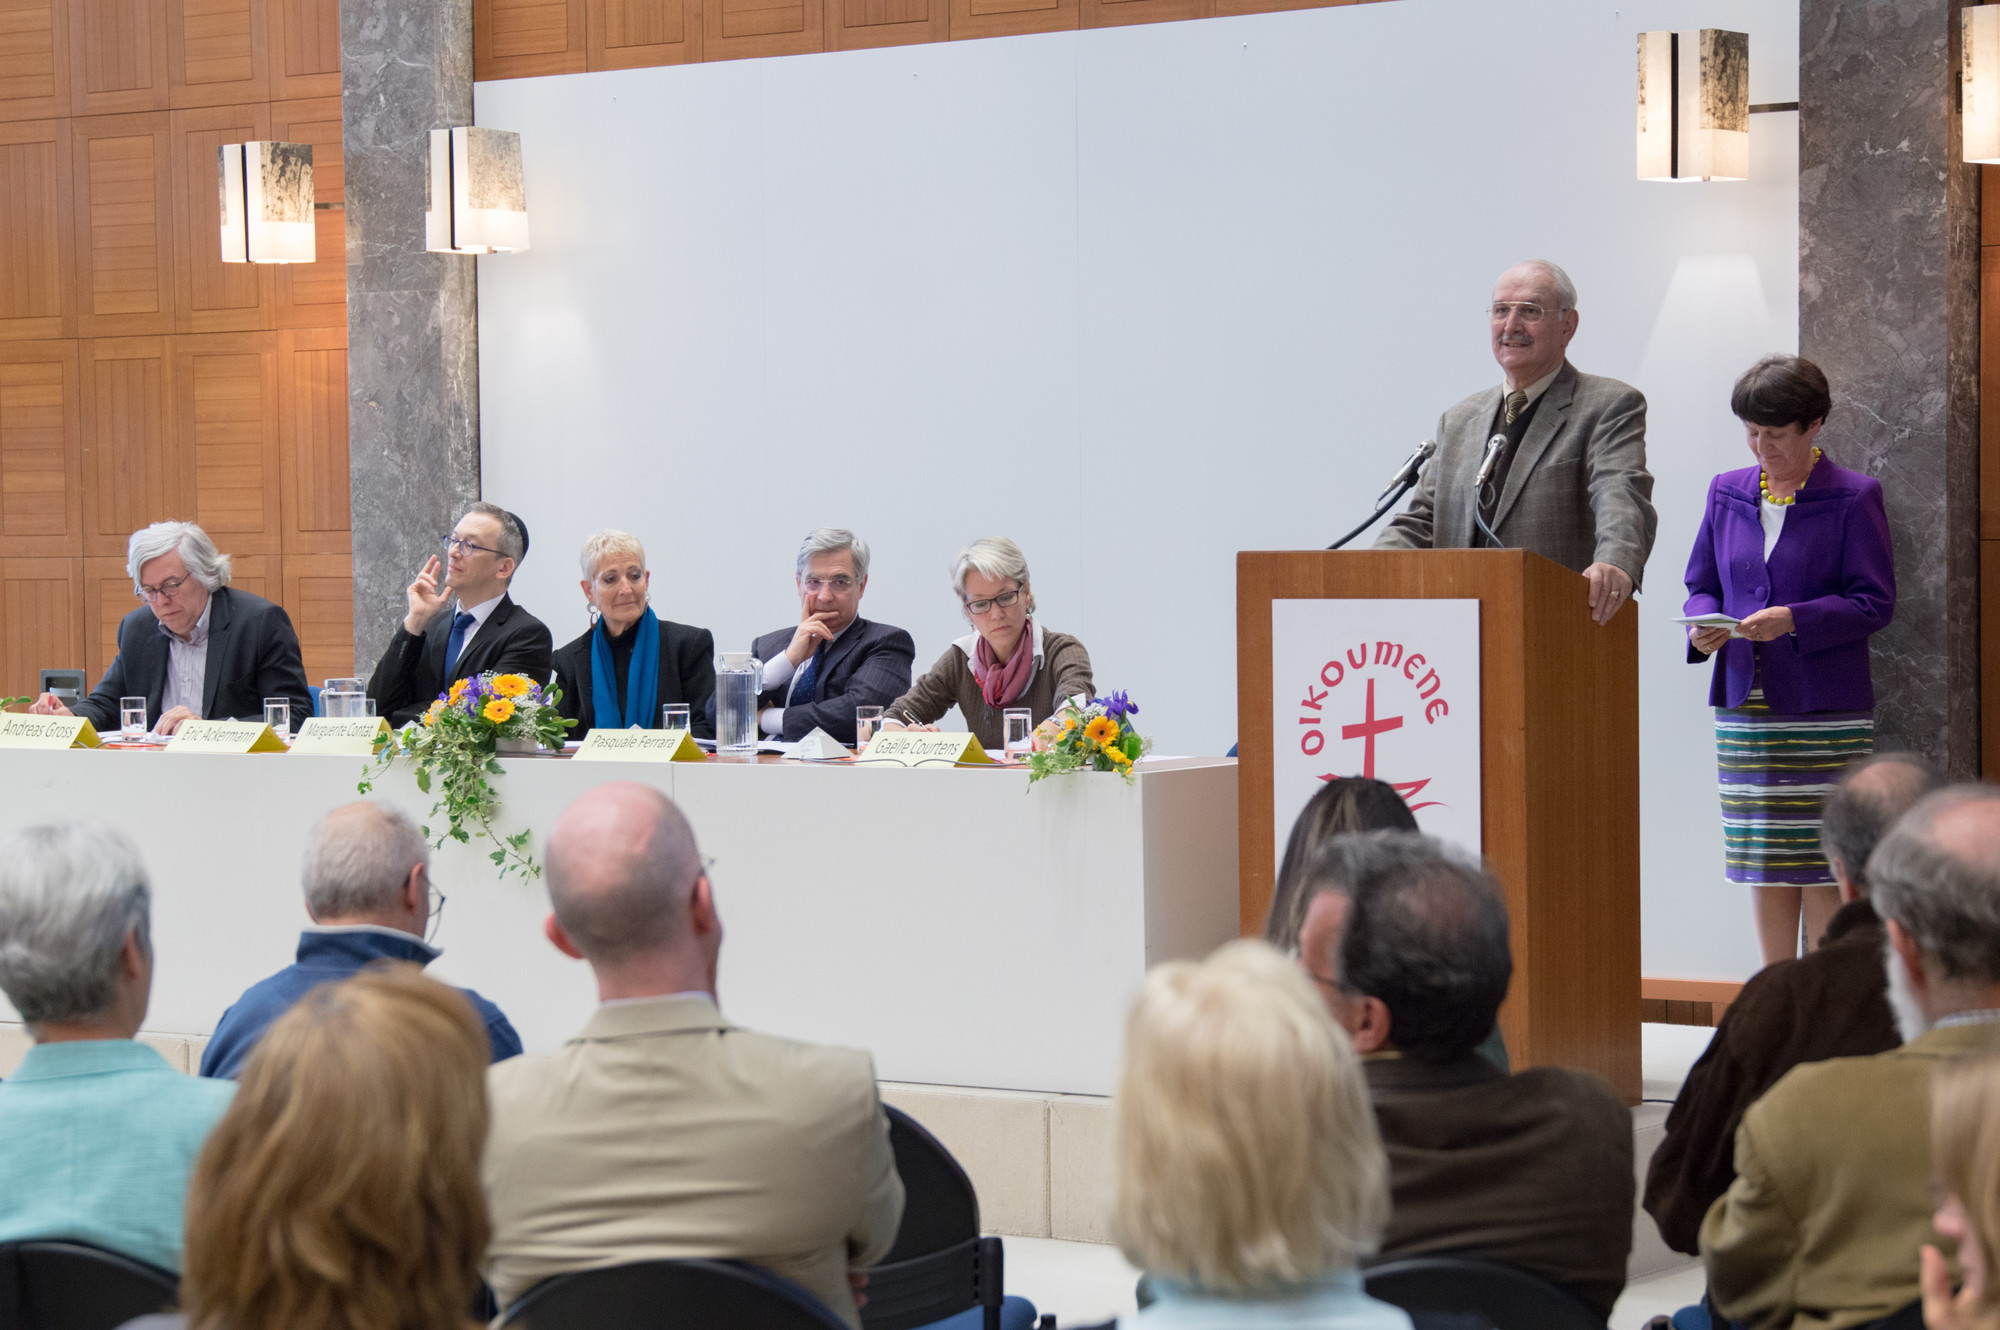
x=1529 y=311
x=454 y=543
x=166 y=590
x=839 y=586
x=437 y=914
x=1330 y=985
x=1003 y=600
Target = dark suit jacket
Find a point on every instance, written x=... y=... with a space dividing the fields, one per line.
x=411 y=674
x=252 y=654
x=687 y=674
x=1532 y=1170
x=1829 y=1003
x=868 y=667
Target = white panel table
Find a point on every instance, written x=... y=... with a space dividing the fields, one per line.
x=966 y=929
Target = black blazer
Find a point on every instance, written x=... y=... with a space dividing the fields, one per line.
x=252 y=654
x=410 y=674
x=868 y=666
x=687 y=674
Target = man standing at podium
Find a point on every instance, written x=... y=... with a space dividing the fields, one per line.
x=1552 y=460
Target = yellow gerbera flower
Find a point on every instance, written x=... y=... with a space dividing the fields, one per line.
x=430 y=716
x=511 y=685
x=1102 y=730
x=458 y=690
x=499 y=710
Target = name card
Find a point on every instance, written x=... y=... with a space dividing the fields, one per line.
x=909 y=748
x=20 y=731
x=225 y=736
x=638 y=746
x=342 y=736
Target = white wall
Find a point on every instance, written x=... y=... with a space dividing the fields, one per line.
x=1138 y=297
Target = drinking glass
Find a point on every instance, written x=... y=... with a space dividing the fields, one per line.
x=867 y=724
x=278 y=715
x=368 y=707
x=132 y=717
x=676 y=716
x=1019 y=732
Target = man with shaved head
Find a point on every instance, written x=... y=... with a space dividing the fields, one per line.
x=1832 y=1194
x=662 y=1131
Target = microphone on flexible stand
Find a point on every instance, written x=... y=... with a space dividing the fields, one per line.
x=1399 y=485
x=1494 y=447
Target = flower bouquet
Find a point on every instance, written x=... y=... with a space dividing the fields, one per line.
x=1098 y=736
x=456 y=746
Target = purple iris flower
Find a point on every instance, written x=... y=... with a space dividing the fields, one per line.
x=1118 y=706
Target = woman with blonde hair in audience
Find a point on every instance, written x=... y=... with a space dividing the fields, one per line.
x=1965 y=1160
x=1251 y=1180
x=341 y=1190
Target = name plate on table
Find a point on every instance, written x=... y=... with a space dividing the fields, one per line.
x=342 y=736
x=638 y=746
x=19 y=731
x=909 y=748
x=225 y=736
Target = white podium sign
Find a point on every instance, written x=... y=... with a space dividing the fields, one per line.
x=1382 y=688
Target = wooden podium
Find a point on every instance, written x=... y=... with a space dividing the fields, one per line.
x=1559 y=731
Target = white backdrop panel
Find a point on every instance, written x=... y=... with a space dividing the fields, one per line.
x=1138 y=297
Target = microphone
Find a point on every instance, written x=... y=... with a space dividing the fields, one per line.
x=1494 y=446
x=1410 y=470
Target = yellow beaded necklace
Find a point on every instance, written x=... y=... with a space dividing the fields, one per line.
x=1764 y=485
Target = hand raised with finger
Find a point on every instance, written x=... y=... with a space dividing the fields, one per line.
x=812 y=631
x=426 y=598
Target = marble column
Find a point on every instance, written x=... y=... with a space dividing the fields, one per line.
x=413 y=354
x=1889 y=307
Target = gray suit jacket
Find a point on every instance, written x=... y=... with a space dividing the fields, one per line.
x=1578 y=491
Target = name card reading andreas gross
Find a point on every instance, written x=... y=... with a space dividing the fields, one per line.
x=18 y=731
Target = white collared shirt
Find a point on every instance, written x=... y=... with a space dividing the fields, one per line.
x=656 y=997
x=480 y=614
x=1534 y=390
x=187 y=664
x=779 y=671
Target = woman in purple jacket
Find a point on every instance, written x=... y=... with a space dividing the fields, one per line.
x=1797 y=550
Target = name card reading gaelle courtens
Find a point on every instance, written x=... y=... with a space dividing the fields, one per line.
x=225 y=736
x=341 y=736
x=909 y=748
x=19 y=731
x=638 y=746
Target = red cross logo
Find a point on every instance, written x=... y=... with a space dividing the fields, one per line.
x=1368 y=729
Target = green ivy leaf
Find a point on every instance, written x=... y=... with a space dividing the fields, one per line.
x=424 y=779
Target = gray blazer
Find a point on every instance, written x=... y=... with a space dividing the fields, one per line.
x=1578 y=491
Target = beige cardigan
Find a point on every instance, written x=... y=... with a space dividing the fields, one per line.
x=1062 y=670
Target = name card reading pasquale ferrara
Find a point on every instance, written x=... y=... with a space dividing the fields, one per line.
x=225 y=736
x=909 y=748
x=638 y=746
x=19 y=731
x=341 y=736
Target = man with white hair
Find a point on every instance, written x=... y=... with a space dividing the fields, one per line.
x=1832 y=1194
x=100 y=1132
x=368 y=892
x=198 y=648
x=1569 y=478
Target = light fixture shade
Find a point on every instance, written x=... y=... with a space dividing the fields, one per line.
x=266 y=196
x=1694 y=105
x=1981 y=85
x=479 y=199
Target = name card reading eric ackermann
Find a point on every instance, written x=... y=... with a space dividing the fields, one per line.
x=341 y=736
x=19 y=731
x=638 y=746
x=909 y=748
x=225 y=736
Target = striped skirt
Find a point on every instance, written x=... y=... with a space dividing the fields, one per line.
x=1775 y=773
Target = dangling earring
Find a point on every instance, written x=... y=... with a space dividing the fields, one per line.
x=593 y=612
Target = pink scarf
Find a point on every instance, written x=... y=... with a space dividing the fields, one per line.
x=1000 y=684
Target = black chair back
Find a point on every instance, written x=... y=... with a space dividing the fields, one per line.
x=75 y=1286
x=1454 y=1286
x=670 y=1295
x=1908 y=1318
x=940 y=1266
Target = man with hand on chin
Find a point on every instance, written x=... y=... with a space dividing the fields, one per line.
x=1570 y=479
x=487 y=632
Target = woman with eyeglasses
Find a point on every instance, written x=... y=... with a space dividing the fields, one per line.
x=630 y=662
x=1007 y=661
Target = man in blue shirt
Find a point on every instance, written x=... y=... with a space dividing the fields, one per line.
x=367 y=889
x=100 y=1132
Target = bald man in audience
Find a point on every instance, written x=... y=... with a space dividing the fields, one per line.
x=1832 y=1197
x=662 y=1131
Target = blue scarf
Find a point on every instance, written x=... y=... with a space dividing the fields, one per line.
x=642 y=677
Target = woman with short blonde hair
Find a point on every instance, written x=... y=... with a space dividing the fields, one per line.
x=630 y=662
x=1251 y=1180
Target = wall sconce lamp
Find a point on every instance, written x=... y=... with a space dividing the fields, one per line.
x=479 y=198
x=267 y=202
x=1980 y=83
x=1694 y=105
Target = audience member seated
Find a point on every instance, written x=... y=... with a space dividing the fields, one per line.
x=1251 y=1183
x=834 y=660
x=1008 y=660
x=342 y=1187
x=1338 y=807
x=99 y=1131
x=487 y=633
x=1534 y=1169
x=1830 y=1003
x=662 y=1131
x=198 y=649
x=631 y=662
x=368 y=893
x=1833 y=1165
x=1965 y=1160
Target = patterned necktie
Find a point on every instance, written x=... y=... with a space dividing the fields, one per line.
x=1517 y=402
x=455 y=644
x=802 y=688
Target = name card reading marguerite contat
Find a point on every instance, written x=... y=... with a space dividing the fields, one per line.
x=19 y=731
x=342 y=736
x=225 y=736
x=909 y=748
x=638 y=746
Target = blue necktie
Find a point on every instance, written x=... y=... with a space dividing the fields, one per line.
x=456 y=643
x=802 y=690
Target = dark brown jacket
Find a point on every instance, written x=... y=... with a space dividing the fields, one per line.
x=1532 y=1170
x=1829 y=1003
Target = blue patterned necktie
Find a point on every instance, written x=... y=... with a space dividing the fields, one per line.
x=456 y=642
x=802 y=690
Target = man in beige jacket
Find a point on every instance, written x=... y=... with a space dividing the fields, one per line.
x=662 y=1131
x=1832 y=1194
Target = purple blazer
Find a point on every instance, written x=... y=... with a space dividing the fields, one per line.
x=1832 y=565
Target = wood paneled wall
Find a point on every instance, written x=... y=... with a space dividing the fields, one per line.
x=529 y=38
x=1989 y=471
x=141 y=377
